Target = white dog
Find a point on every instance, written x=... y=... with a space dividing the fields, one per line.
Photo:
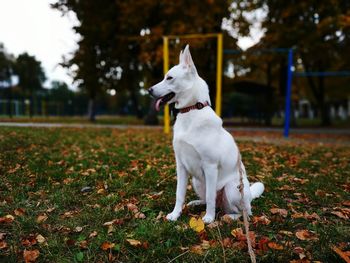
x=202 y=147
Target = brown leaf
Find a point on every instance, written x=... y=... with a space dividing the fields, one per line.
x=93 y=234
x=134 y=242
x=280 y=211
x=41 y=218
x=7 y=219
x=346 y=203
x=19 y=212
x=306 y=235
x=29 y=241
x=300 y=251
x=197 y=249
x=83 y=244
x=275 y=246
x=261 y=220
x=227 y=242
x=287 y=233
x=3 y=245
x=2 y=235
x=340 y=214
x=30 y=255
x=107 y=245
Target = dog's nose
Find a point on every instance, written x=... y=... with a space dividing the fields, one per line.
x=150 y=91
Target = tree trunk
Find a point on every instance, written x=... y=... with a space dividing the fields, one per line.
x=326 y=121
x=92 y=109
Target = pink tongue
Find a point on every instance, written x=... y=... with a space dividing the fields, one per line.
x=158 y=104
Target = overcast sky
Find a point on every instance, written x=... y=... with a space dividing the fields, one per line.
x=32 y=26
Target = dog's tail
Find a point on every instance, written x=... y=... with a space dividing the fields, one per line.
x=257 y=189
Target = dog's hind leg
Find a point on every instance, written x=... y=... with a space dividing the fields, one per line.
x=199 y=188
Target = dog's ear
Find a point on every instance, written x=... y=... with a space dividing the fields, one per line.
x=181 y=57
x=186 y=59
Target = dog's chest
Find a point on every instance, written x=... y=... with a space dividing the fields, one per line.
x=186 y=152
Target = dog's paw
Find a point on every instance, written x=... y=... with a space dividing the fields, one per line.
x=208 y=219
x=173 y=216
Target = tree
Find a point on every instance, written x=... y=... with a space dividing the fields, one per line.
x=121 y=41
x=6 y=73
x=318 y=30
x=31 y=76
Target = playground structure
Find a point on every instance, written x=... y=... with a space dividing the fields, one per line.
x=219 y=38
x=220 y=51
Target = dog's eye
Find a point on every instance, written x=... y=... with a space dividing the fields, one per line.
x=169 y=78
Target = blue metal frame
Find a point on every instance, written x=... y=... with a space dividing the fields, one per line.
x=290 y=75
x=288 y=94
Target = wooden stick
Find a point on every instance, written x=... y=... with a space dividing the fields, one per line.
x=244 y=210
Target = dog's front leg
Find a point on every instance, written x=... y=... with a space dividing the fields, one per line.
x=181 y=187
x=211 y=176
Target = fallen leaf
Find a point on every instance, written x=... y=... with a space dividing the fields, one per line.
x=30 y=255
x=93 y=234
x=107 y=245
x=275 y=246
x=300 y=251
x=83 y=244
x=40 y=239
x=29 y=241
x=41 y=218
x=287 y=233
x=197 y=249
x=306 y=235
x=78 y=229
x=261 y=220
x=19 y=212
x=134 y=242
x=262 y=244
x=7 y=219
x=3 y=245
x=340 y=214
x=197 y=224
x=343 y=254
x=346 y=203
x=280 y=211
x=2 y=235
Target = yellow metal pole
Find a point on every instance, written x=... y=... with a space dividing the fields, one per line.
x=219 y=75
x=165 y=69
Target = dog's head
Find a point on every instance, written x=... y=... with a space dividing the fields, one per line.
x=176 y=82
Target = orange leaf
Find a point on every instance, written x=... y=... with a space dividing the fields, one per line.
x=197 y=224
x=107 y=245
x=30 y=255
x=344 y=255
x=280 y=211
x=3 y=245
x=275 y=246
x=306 y=235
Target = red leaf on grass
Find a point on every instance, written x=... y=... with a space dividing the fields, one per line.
x=30 y=255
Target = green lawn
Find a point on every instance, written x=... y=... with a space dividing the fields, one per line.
x=128 y=182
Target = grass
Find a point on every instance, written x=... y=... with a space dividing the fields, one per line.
x=100 y=119
x=131 y=180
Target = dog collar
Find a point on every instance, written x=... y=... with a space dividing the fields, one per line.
x=197 y=106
